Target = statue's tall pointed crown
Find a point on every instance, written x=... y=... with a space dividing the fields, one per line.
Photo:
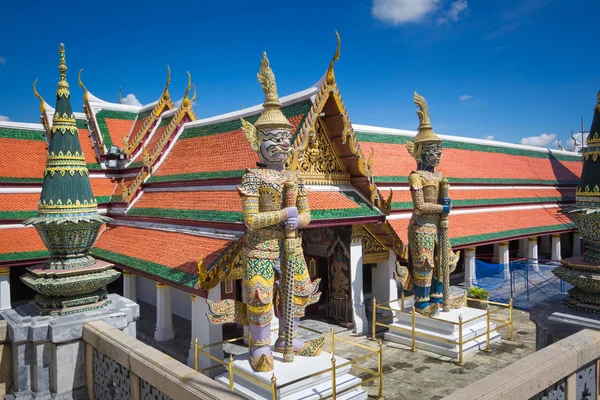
x=272 y=117
x=426 y=133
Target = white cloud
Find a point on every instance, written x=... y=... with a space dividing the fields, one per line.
x=543 y=140
x=488 y=137
x=398 y=12
x=453 y=14
x=4 y=118
x=465 y=97
x=3 y=60
x=131 y=100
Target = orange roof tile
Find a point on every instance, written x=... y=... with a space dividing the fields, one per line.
x=20 y=240
x=482 y=226
x=175 y=250
x=19 y=201
x=117 y=128
x=87 y=146
x=22 y=158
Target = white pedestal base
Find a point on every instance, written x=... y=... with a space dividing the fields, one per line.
x=442 y=327
x=315 y=387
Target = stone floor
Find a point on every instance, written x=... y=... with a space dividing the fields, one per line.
x=415 y=376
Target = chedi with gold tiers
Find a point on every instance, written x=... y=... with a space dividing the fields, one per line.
x=68 y=222
x=584 y=272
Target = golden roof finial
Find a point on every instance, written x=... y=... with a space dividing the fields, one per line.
x=272 y=117
x=186 y=101
x=194 y=96
x=63 y=85
x=120 y=96
x=85 y=91
x=426 y=133
x=330 y=78
x=42 y=102
x=165 y=94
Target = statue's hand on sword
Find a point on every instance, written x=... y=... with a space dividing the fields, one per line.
x=293 y=221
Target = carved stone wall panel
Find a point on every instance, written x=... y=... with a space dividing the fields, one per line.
x=149 y=392
x=106 y=373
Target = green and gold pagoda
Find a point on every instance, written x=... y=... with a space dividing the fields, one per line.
x=583 y=272
x=68 y=221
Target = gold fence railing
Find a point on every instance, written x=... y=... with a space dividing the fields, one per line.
x=274 y=387
x=460 y=342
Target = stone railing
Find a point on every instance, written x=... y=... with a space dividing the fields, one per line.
x=567 y=370
x=122 y=367
x=6 y=365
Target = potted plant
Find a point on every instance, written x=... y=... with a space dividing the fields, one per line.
x=474 y=294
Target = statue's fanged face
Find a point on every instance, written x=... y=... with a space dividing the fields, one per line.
x=275 y=146
x=431 y=154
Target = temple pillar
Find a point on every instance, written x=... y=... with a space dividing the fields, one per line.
x=205 y=332
x=5 y=288
x=359 y=315
x=556 y=251
x=504 y=253
x=532 y=252
x=385 y=288
x=164 y=316
x=576 y=244
x=129 y=286
x=470 y=278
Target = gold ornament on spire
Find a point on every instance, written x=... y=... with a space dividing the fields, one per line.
x=330 y=77
x=120 y=95
x=426 y=133
x=63 y=85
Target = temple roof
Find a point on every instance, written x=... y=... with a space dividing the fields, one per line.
x=495 y=224
x=22 y=152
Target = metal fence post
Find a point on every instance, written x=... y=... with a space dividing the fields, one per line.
x=414 y=331
x=510 y=320
x=273 y=387
x=460 y=340
x=487 y=329
x=380 y=370
x=374 y=318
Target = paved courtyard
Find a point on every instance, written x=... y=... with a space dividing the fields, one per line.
x=417 y=376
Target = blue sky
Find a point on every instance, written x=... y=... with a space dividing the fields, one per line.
x=510 y=69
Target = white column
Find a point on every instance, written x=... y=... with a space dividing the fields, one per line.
x=205 y=332
x=576 y=244
x=359 y=316
x=385 y=288
x=556 y=251
x=503 y=249
x=129 y=286
x=164 y=317
x=470 y=278
x=532 y=252
x=4 y=288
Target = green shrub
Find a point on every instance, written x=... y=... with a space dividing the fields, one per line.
x=477 y=293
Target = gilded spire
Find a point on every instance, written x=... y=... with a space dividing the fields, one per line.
x=63 y=85
x=330 y=77
x=426 y=133
x=272 y=117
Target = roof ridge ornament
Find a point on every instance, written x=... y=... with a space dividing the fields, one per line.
x=165 y=94
x=330 y=77
x=36 y=94
x=120 y=95
x=85 y=91
x=186 y=102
